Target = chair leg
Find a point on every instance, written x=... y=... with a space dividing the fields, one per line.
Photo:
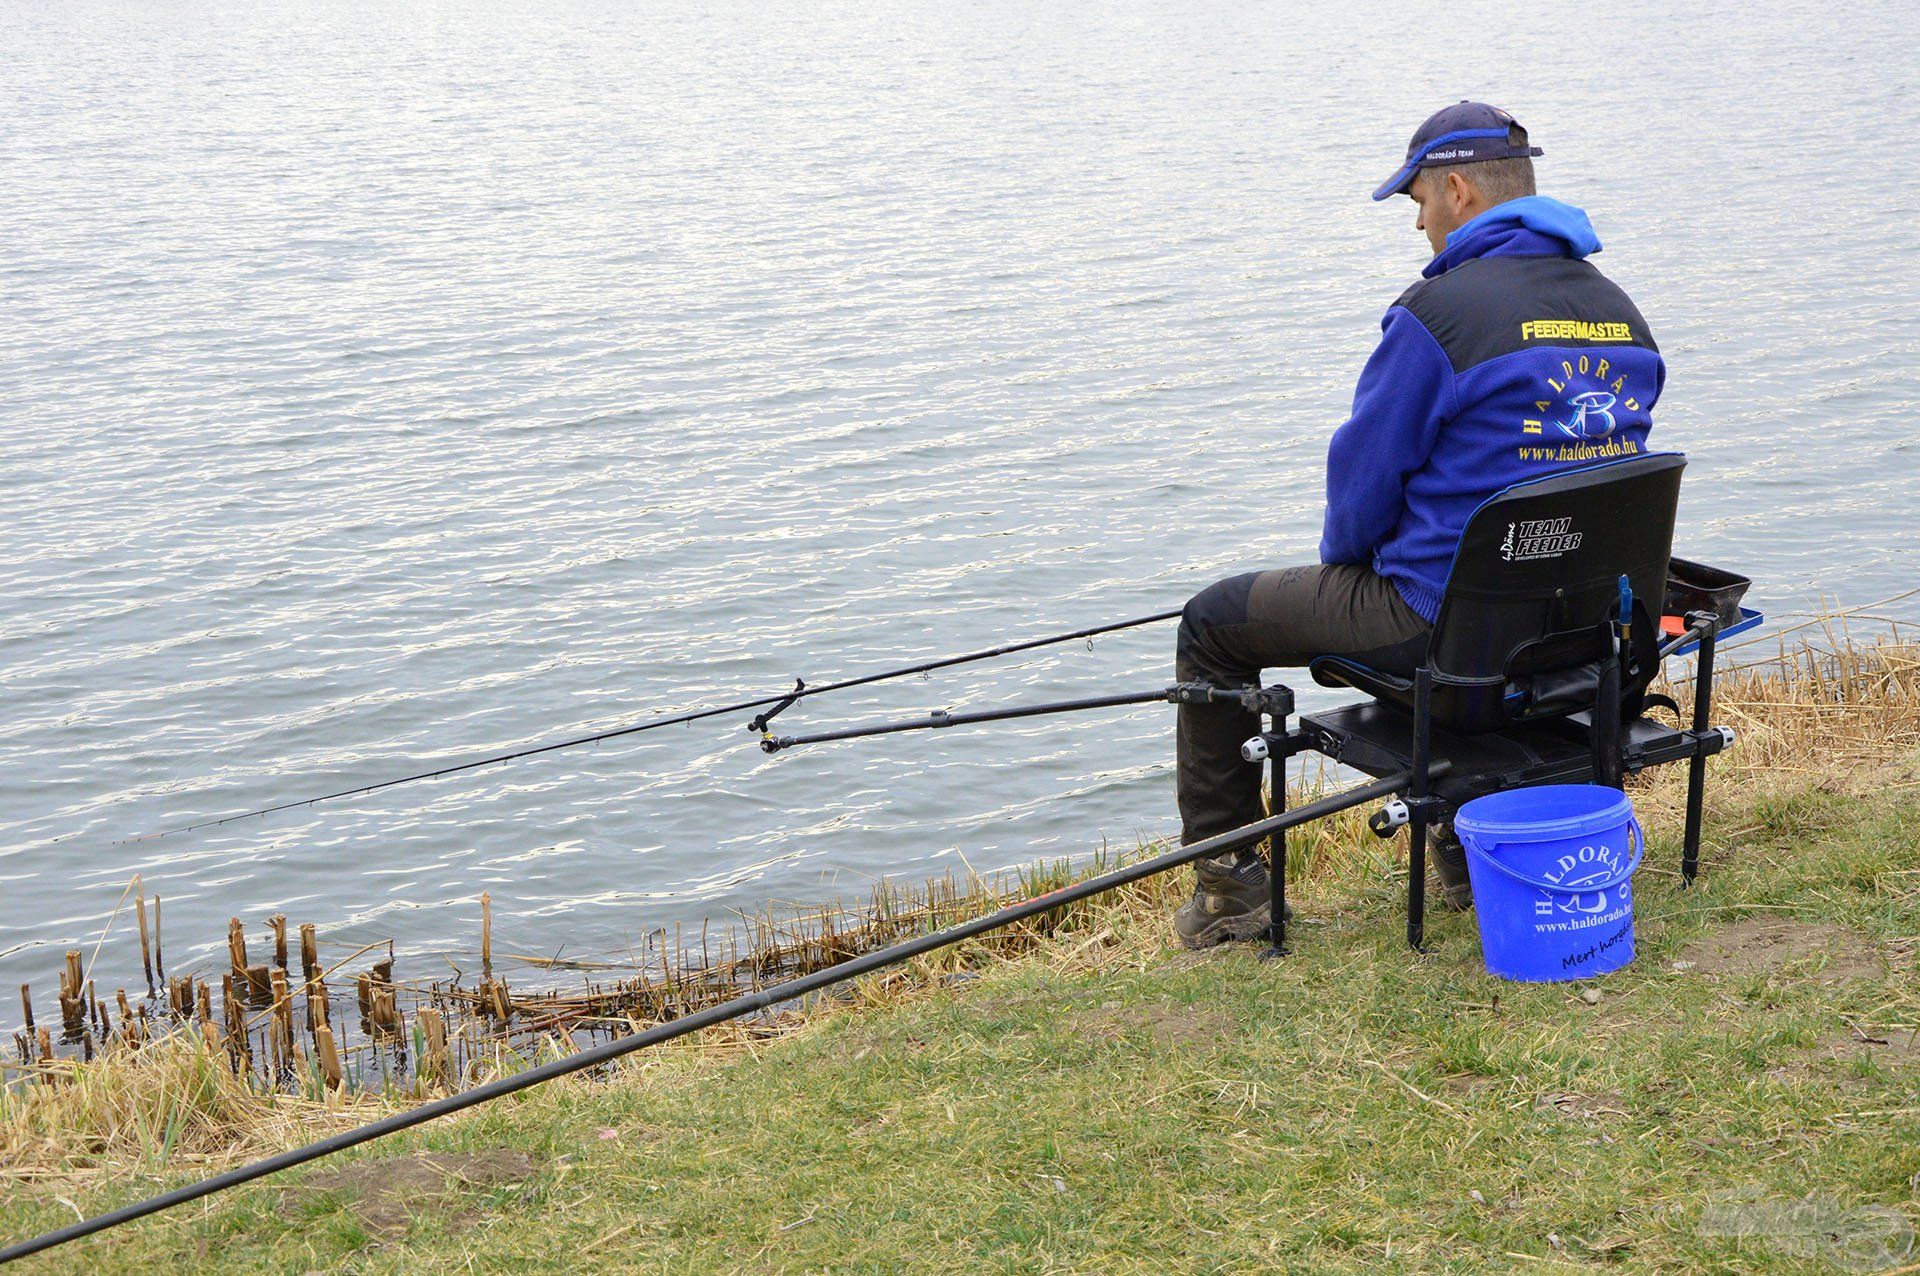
x=1697 y=765
x=1417 y=819
x=1608 y=768
x=1277 y=856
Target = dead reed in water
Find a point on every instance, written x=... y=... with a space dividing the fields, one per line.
x=219 y=1065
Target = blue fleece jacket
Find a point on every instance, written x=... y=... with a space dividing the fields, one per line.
x=1512 y=358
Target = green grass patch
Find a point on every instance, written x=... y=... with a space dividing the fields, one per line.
x=1744 y=1097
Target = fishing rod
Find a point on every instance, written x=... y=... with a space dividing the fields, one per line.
x=747 y=1004
x=778 y=704
x=1252 y=699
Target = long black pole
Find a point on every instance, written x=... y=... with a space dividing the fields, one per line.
x=1697 y=765
x=1252 y=699
x=773 y=744
x=652 y=724
x=1417 y=824
x=743 y=1005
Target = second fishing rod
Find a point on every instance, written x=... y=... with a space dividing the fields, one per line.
x=772 y=706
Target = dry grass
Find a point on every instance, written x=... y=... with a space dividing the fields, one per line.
x=1821 y=711
x=174 y=1102
x=1809 y=715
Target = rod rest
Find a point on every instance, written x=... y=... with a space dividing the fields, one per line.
x=1276 y=700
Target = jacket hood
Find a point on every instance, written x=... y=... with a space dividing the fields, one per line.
x=1531 y=226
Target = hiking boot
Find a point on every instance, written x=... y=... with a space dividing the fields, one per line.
x=1449 y=860
x=1230 y=901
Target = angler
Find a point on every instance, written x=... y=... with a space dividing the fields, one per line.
x=1484 y=368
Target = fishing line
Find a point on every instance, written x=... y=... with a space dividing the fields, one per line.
x=1818 y=619
x=801 y=691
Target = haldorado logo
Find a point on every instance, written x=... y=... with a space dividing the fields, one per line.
x=1597 y=388
x=1592 y=415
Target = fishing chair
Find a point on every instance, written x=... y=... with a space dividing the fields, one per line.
x=1536 y=671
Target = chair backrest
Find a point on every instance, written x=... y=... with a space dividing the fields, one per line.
x=1536 y=577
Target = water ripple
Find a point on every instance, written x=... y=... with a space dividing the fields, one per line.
x=386 y=387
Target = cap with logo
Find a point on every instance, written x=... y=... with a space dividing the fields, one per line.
x=1465 y=133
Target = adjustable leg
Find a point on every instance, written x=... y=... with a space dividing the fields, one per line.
x=1607 y=764
x=1417 y=822
x=1274 y=746
x=1277 y=856
x=1697 y=765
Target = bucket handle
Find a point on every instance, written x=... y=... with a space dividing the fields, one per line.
x=1639 y=853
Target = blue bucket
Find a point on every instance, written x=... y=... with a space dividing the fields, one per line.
x=1550 y=868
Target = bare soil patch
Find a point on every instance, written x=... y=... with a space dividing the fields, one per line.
x=858 y=1045
x=1765 y=946
x=1599 y=1106
x=1165 y=1024
x=386 y=1195
x=1470 y=1085
x=1191 y=959
x=1889 y=1048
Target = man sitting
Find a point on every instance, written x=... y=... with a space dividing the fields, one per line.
x=1512 y=358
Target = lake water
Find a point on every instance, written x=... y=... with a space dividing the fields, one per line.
x=387 y=384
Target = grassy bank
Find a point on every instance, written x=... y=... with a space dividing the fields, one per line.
x=1745 y=1097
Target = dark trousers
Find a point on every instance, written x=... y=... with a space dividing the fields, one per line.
x=1234 y=629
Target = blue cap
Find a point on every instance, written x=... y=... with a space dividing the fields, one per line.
x=1465 y=133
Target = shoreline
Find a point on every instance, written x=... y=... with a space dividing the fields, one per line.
x=1811 y=705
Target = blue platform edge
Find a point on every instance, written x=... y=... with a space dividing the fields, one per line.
x=1748 y=619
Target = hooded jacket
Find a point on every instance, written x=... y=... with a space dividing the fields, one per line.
x=1511 y=359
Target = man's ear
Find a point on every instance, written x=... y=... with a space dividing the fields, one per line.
x=1463 y=197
